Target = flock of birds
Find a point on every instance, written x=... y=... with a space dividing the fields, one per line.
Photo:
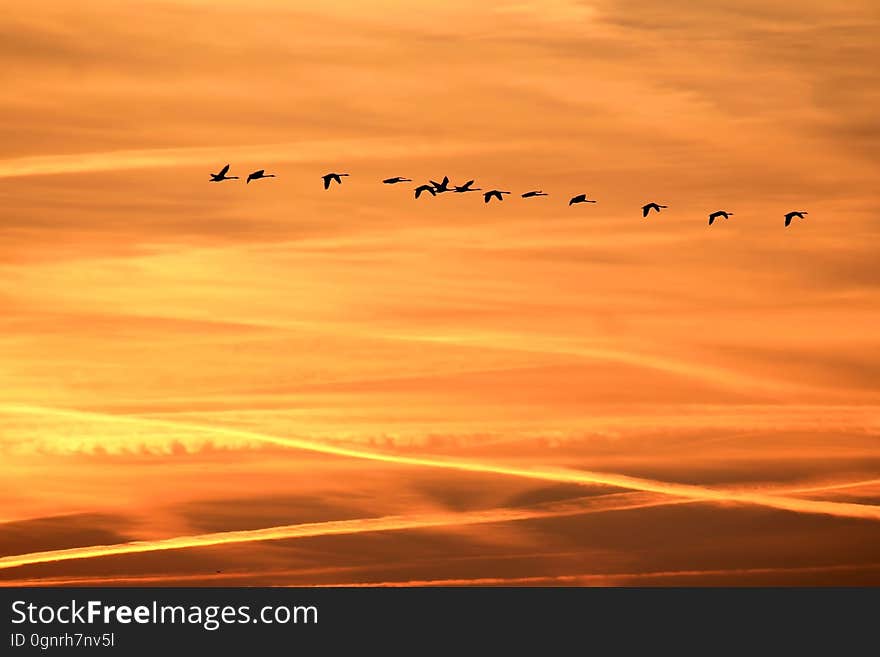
x=433 y=188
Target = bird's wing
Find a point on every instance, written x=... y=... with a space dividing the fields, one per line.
x=468 y=184
x=326 y=182
x=258 y=174
x=645 y=210
x=223 y=171
x=787 y=220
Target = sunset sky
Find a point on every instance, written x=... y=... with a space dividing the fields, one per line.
x=273 y=384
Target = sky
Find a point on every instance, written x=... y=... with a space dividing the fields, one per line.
x=274 y=384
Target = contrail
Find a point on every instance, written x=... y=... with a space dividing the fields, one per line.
x=578 y=506
x=604 y=578
x=716 y=375
x=613 y=502
x=558 y=475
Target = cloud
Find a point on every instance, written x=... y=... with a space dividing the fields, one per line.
x=558 y=475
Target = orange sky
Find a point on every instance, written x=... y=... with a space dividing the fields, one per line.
x=299 y=386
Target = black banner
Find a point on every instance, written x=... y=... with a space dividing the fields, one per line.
x=329 y=621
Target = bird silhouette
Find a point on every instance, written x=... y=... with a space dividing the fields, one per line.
x=791 y=215
x=580 y=198
x=495 y=193
x=534 y=193
x=466 y=187
x=395 y=180
x=646 y=209
x=441 y=187
x=256 y=175
x=330 y=177
x=220 y=177
x=719 y=213
x=425 y=188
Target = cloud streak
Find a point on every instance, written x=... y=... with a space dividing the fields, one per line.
x=558 y=475
x=292 y=152
x=339 y=527
x=573 y=507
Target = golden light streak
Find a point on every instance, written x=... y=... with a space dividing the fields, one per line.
x=604 y=578
x=337 y=527
x=295 y=152
x=558 y=475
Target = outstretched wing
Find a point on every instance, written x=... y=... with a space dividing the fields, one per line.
x=327 y=182
x=645 y=210
x=223 y=171
x=788 y=218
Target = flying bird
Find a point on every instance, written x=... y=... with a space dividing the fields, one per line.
x=534 y=193
x=646 y=209
x=495 y=193
x=580 y=198
x=791 y=215
x=425 y=188
x=220 y=177
x=330 y=177
x=441 y=187
x=395 y=180
x=466 y=187
x=719 y=213
x=256 y=175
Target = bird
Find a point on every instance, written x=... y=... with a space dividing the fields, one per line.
x=534 y=193
x=487 y=196
x=646 y=209
x=466 y=187
x=220 y=177
x=330 y=177
x=719 y=213
x=256 y=175
x=395 y=180
x=580 y=198
x=441 y=187
x=425 y=188
x=791 y=215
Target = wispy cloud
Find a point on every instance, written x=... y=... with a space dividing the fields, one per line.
x=559 y=475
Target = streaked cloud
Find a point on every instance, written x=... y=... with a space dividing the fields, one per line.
x=358 y=356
